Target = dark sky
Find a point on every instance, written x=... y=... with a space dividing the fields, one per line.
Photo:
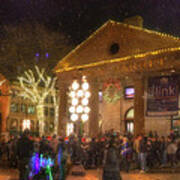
x=79 y=18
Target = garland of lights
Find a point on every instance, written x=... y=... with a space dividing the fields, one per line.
x=112 y=92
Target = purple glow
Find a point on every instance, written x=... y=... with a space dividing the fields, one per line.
x=37 y=54
x=38 y=163
x=129 y=92
x=47 y=55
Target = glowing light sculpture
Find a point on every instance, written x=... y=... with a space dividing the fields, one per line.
x=30 y=84
x=79 y=95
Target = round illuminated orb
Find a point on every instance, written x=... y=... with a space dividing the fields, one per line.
x=72 y=94
x=72 y=109
x=74 y=101
x=79 y=109
x=86 y=109
x=87 y=94
x=74 y=117
x=75 y=85
x=85 y=86
x=80 y=93
x=84 y=117
x=85 y=101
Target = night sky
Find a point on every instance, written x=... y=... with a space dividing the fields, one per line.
x=79 y=18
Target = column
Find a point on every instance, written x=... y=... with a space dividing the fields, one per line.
x=139 y=120
x=94 y=105
x=63 y=87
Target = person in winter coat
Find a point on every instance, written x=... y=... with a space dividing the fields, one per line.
x=171 y=151
x=111 y=169
x=24 y=153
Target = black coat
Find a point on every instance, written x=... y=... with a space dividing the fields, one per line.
x=24 y=148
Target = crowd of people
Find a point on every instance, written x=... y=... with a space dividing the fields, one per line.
x=111 y=151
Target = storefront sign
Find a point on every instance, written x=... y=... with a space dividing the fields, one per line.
x=162 y=96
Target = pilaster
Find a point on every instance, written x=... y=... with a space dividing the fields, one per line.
x=139 y=119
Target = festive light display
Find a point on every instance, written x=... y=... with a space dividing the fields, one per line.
x=38 y=162
x=112 y=91
x=79 y=96
x=32 y=90
x=120 y=60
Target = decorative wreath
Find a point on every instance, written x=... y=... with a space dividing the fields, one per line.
x=112 y=91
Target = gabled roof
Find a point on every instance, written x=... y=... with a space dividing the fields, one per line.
x=132 y=41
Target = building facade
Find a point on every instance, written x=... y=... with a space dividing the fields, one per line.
x=142 y=62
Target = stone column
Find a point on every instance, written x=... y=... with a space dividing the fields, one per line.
x=94 y=113
x=63 y=88
x=139 y=120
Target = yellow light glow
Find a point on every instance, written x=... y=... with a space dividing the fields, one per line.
x=26 y=124
x=74 y=101
x=80 y=93
x=85 y=101
x=79 y=109
x=72 y=94
x=86 y=109
x=74 y=117
x=69 y=129
x=75 y=85
x=87 y=94
x=84 y=117
x=85 y=86
x=72 y=109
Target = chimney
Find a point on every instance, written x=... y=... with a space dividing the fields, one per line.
x=134 y=20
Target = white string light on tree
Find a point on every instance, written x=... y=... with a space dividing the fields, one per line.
x=79 y=95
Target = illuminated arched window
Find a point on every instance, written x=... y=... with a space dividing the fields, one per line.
x=129 y=120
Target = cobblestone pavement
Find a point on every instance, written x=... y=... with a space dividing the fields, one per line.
x=11 y=174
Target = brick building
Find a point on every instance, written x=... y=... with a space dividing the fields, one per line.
x=131 y=56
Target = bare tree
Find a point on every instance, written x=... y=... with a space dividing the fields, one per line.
x=36 y=87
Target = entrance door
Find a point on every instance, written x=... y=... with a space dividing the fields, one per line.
x=129 y=121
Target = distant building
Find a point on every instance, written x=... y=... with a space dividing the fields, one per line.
x=23 y=109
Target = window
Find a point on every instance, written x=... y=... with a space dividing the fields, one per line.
x=51 y=112
x=31 y=109
x=47 y=100
x=46 y=111
x=23 y=108
x=130 y=127
x=14 y=107
x=129 y=120
x=51 y=100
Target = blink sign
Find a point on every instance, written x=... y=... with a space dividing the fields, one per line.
x=162 y=96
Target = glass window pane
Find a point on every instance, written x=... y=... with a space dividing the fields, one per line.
x=130 y=114
x=52 y=112
x=31 y=109
x=46 y=111
x=14 y=107
x=23 y=108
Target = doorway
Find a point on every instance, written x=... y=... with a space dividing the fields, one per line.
x=129 y=121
